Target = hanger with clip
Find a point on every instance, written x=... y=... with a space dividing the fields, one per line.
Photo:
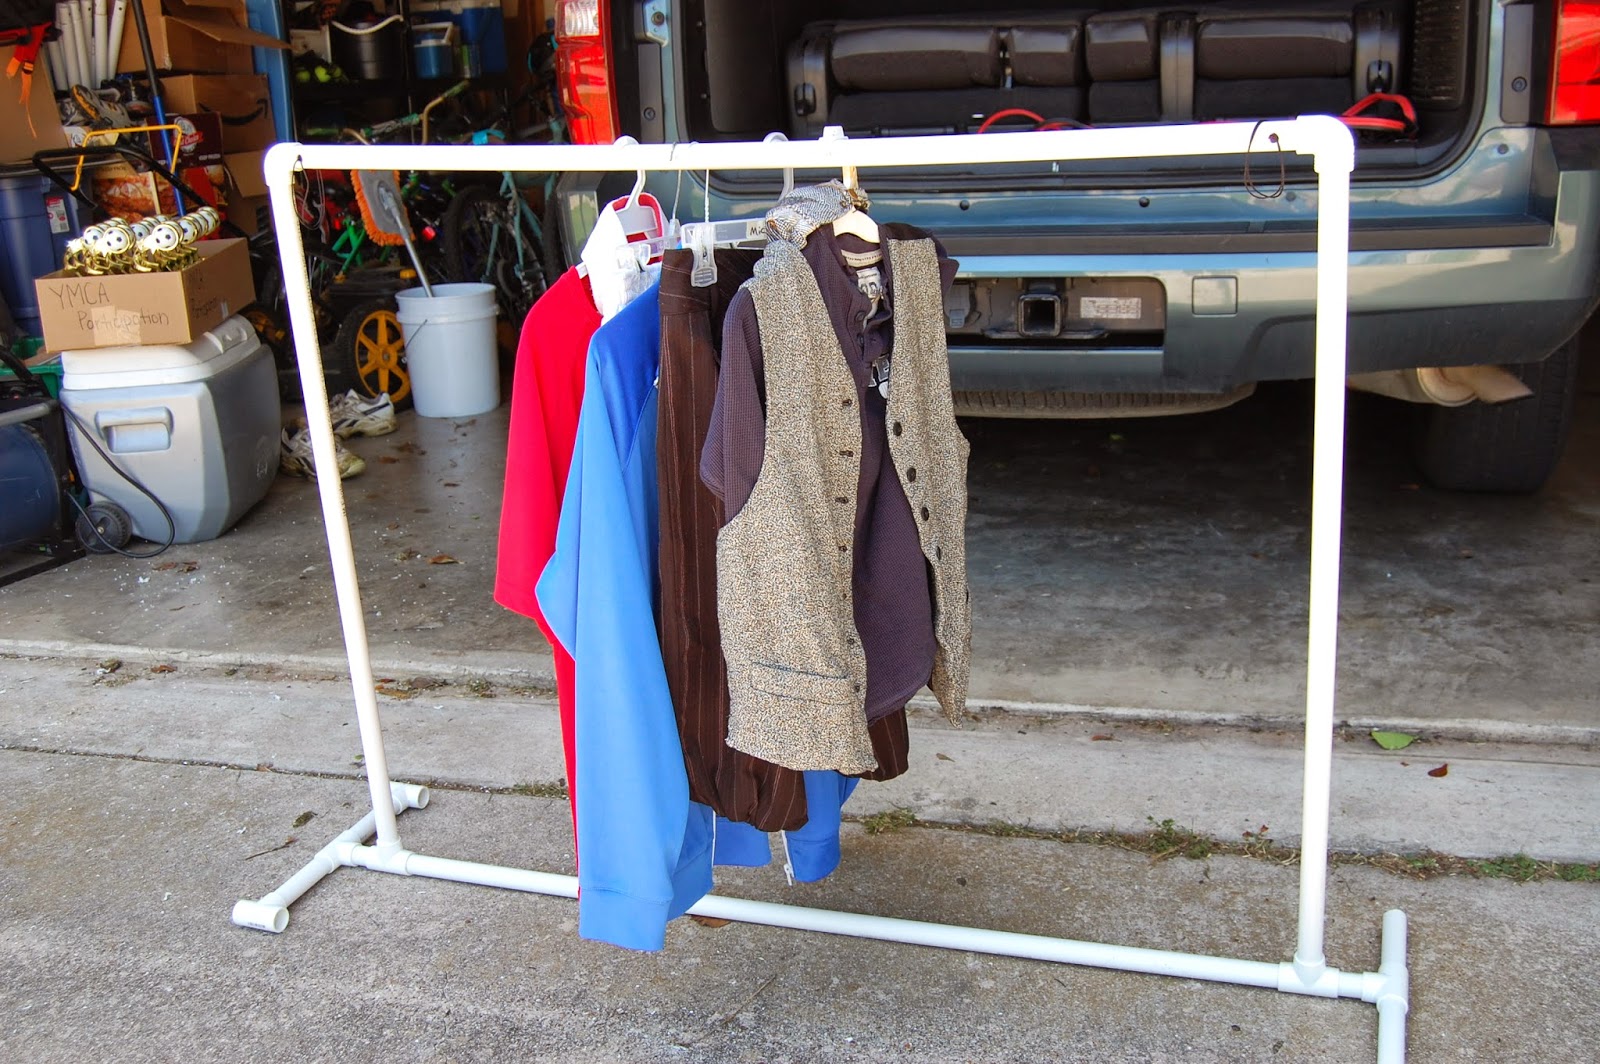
x=703 y=238
x=638 y=214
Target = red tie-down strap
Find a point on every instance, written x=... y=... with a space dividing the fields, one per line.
x=1383 y=112
x=28 y=41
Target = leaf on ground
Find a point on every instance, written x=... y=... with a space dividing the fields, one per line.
x=441 y=559
x=426 y=683
x=1440 y=772
x=163 y=668
x=451 y=484
x=304 y=818
x=1393 y=740
x=108 y=666
x=709 y=921
x=944 y=757
x=1106 y=738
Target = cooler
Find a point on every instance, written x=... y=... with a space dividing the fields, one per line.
x=197 y=424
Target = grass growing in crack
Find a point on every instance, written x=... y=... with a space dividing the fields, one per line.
x=1167 y=838
x=553 y=789
x=1170 y=838
x=1519 y=866
x=481 y=688
x=888 y=822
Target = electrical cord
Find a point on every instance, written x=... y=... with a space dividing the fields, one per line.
x=172 y=528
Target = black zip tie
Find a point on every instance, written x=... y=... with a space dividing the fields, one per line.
x=1249 y=181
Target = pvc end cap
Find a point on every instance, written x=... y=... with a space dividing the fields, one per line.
x=261 y=917
x=408 y=796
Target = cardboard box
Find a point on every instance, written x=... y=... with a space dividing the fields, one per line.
x=241 y=101
x=124 y=192
x=25 y=130
x=204 y=35
x=199 y=140
x=126 y=309
x=247 y=190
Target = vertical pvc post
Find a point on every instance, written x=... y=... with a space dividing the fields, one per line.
x=280 y=165
x=1334 y=163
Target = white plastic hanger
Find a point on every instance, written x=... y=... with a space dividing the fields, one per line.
x=852 y=222
x=788 y=173
x=638 y=215
x=617 y=269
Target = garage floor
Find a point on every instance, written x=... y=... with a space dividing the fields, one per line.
x=1154 y=566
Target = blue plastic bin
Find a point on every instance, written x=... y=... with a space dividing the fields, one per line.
x=36 y=220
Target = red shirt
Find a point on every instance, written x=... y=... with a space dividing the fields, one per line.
x=546 y=394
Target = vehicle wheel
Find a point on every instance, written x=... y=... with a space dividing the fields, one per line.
x=373 y=349
x=104 y=528
x=474 y=226
x=1510 y=446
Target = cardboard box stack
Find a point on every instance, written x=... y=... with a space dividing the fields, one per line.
x=203 y=52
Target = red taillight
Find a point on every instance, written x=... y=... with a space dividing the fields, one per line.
x=1575 y=82
x=583 y=70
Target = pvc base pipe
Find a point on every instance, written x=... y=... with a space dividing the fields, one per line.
x=271 y=913
x=1322 y=137
x=1388 y=988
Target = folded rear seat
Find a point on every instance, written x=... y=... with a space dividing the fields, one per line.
x=1157 y=64
x=1238 y=61
x=934 y=75
x=1302 y=58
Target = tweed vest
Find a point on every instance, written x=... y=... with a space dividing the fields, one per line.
x=796 y=669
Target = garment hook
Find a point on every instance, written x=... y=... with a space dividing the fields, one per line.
x=788 y=171
x=638 y=184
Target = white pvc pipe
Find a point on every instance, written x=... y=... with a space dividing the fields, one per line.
x=271 y=913
x=1394 y=998
x=56 y=61
x=102 y=36
x=67 y=19
x=119 y=13
x=859 y=925
x=1310 y=134
x=347 y=589
x=84 y=30
x=1327 y=510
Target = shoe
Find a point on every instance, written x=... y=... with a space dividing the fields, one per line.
x=356 y=415
x=294 y=456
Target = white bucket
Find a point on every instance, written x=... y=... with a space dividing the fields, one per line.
x=450 y=349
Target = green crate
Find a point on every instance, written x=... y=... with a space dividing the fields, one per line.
x=48 y=371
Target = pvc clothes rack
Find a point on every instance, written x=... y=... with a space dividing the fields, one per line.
x=1323 y=138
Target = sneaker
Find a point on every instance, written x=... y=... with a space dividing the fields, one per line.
x=356 y=415
x=295 y=459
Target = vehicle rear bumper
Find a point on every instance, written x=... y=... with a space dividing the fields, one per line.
x=1506 y=290
x=1438 y=275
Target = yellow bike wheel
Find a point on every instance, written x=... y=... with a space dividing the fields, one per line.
x=370 y=343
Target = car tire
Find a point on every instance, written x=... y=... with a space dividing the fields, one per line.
x=1504 y=447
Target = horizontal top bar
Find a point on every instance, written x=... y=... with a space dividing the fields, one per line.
x=1323 y=137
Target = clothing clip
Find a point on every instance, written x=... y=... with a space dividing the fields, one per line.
x=704 y=248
